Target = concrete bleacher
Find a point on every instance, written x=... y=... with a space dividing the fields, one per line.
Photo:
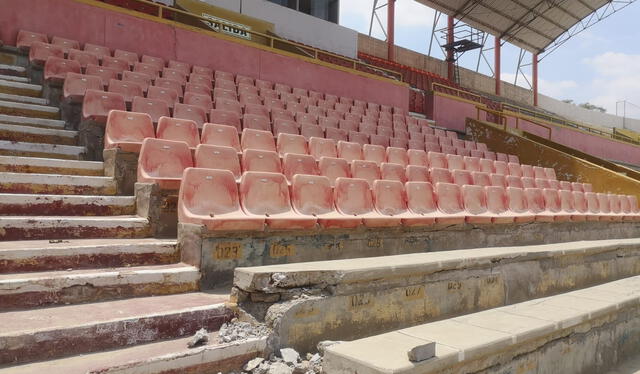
x=138 y=190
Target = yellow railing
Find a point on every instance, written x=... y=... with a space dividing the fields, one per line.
x=504 y=121
x=458 y=92
x=271 y=41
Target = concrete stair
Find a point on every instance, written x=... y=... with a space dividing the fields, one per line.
x=26 y=149
x=29 y=110
x=63 y=205
x=38 y=135
x=61 y=227
x=13 y=70
x=56 y=184
x=24 y=99
x=33 y=122
x=20 y=88
x=18 y=164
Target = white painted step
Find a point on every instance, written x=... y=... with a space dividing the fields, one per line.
x=29 y=110
x=34 y=183
x=83 y=205
x=14 y=70
x=10 y=148
x=66 y=227
x=20 y=88
x=31 y=121
x=50 y=166
x=38 y=135
x=13 y=78
x=24 y=99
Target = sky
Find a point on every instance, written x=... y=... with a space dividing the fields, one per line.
x=601 y=65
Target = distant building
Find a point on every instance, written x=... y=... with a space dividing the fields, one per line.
x=327 y=10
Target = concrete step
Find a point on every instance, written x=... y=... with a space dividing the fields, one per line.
x=13 y=78
x=17 y=164
x=24 y=99
x=45 y=255
x=13 y=70
x=548 y=335
x=66 y=205
x=38 y=135
x=30 y=290
x=30 y=183
x=33 y=122
x=47 y=333
x=67 y=152
x=171 y=356
x=20 y=88
x=29 y=110
x=57 y=227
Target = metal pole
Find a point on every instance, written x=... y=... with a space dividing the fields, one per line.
x=391 y=56
x=450 y=59
x=496 y=63
x=535 y=79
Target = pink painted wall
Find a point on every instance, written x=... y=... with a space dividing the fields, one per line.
x=452 y=114
x=85 y=23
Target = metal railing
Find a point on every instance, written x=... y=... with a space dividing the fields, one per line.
x=271 y=41
x=458 y=92
x=504 y=120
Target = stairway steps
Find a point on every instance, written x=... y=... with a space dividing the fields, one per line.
x=24 y=99
x=66 y=205
x=13 y=78
x=38 y=135
x=29 y=110
x=58 y=227
x=31 y=121
x=13 y=70
x=20 y=88
x=31 y=183
x=28 y=149
x=18 y=164
x=45 y=255
x=47 y=333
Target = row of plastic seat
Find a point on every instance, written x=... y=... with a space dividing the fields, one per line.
x=211 y=197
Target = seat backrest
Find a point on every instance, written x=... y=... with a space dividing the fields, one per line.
x=501 y=167
x=528 y=182
x=575 y=186
x=625 y=204
x=179 y=130
x=514 y=169
x=516 y=200
x=154 y=107
x=208 y=192
x=474 y=199
x=281 y=126
x=389 y=197
x=311 y=194
x=481 y=179
x=218 y=157
x=579 y=202
x=336 y=134
x=564 y=185
x=393 y=172
x=417 y=157
x=97 y=104
x=473 y=164
x=128 y=127
x=449 y=198
x=260 y=160
x=593 y=202
x=224 y=117
x=536 y=199
x=264 y=193
x=309 y=131
x=513 y=181
x=553 y=184
x=487 y=166
x=497 y=202
x=320 y=147
x=461 y=177
x=420 y=197
x=256 y=122
x=161 y=158
x=539 y=173
x=257 y=139
x=567 y=202
x=375 y=153
x=437 y=160
x=289 y=143
x=527 y=171
x=192 y=112
x=587 y=187
x=498 y=180
x=353 y=196
x=614 y=202
x=75 y=85
x=633 y=203
x=349 y=151
x=334 y=168
x=542 y=183
x=299 y=164
x=367 y=170
x=223 y=135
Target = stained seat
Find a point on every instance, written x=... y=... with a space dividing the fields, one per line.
x=163 y=162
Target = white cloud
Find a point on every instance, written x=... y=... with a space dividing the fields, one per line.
x=556 y=89
x=409 y=13
x=617 y=78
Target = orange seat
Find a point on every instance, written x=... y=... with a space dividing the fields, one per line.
x=575 y=186
x=450 y=204
x=56 y=69
x=565 y=185
x=374 y=153
x=475 y=204
x=39 y=52
x=190 y=112
x=127 y=130
x=260 y=160
x=76 y=85
x=163 y=162
x=349 y=151
x=390 y=200
x=294 y=164
x=397 y=155
x=26 y=38
x=225 y=117
x=541 y=183
x=155 y=108
x=180 y=130
x=97 y=104
x=210 y=197
x=257 y=139
x=222 y=135
x=393 y=172
x=437 y=160
x=353 y=197
x=218 y=157
x=367 y=170
x=128 y=90
x=334 y=168
x=440 y=175
x=267 y=195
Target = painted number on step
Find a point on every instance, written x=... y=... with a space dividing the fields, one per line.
x=454 y=285
x=414 y=293
x=356 y=301
x=281 y=250
x=374 y=243
x=337 y=246
x=228 y=251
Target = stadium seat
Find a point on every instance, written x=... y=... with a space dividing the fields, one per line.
x=26 y=38
x=551 y=173
x=127 y=130
x=473 y=164
x=56 y=69
x=290 y=143
x=514 y=169
x=334 y=168
x=353 y=197
x=293 y=164
x=66 y=44
x=257 y=139
x=518 y=205
x=565 y=185
x=486 y=165
x=481 y=179
x=498 y=180
x=397 y=155
x=394 y=172
x=536 y=204
x=542 y=183
x=528 y=182
x=190 y=112
x=336 y=134
x=450 y=203
x=99 y=50
x=224 y=117
x=76 y=85
x=367 y=170
x=309 y=131
x=202 y=101
x=415 y=173
x=615 y=206
x=115 y=63
x=201 y=79
x=180 y=130
x=594 y=212
x=497 y=205
x=259 y=160
x=437 y=160
x=312 y=195
x=417 y=157
x=39 y=52
x=421 y=202
x=567 y=207
x=97 y=104
x=319 y=147
x=358 y=137
x=256 y=122
x=267 y=195
x=151 y=60
x=440 y=175
x=588 y=187
x=225 y=85
x=527 y=171
x=502 y=157
x=375 y=153
x=83 y=58
x=169 y=84
x=475 y=204
x=130 y=57
x=390 y=199
x=461 y=177
x=174 y=74
x=105 y=74
x=490 y=155
x=209 y=197
x=153 y=107
x=163 y=162
x=513 y=181
x=221 y=135
x=502 y=168
x=128 y=90
x=143 y=79
x=455 y=162
x=349 y=151
x=575 y=186
x=553 y=207
x=218 y=157
x=399 y=143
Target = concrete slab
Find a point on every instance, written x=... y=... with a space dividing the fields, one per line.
x=29 y=110
x=13 y=78
x=31 y=121
x=66 y=205
x=56 y=184
x=57 y=227
x=24 y=99
x=14 y=70
x=20 y=88
x=27 y=149
x=17 y=164
x=38 y=135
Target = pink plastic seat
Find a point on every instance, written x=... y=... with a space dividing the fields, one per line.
x=127 y=130
x=541 y=183
x=225 y=117
x=201 y=79
x=312 y=195
x=421 y=202
x=281 y=126
x=225 y=85
x=461 y=177
x=97 y=104
x=336 y=134
x=580 y=206
x=252 y=121
x=257 y=139
x=40 y=52
x=501 y=168
x=218 y=157
x=99 y=50
x=415 y=173
x=437 y=160
x=615 y=206
x=174 y=74
x=367 y=170
x=481 y=179
x=210 y=197
x=498 y=205
x=56 y=69
x=440 y=175
x=397 y=156
x=155 y=108
x=455 y=162
x=169 y=84
x=575 y=186
x=130 y=57
x=390 y=199
x=163 y=162
x=142 y=79
x=536 y=204
x=83 y=58
x=470 y=145
x=104 y=73
x=221 y=135
x=319 y=147
x=565 y=185
x=567 y=207
x=299 y=164
x=374 y=153
x=514 y=158
x=115 y=63
x=553 y=206
x=417 y=157
x=498 y=180
x=349 y=151
x=66 y=44
x=473 y=164
x=267 y=195
x=353 y=197
x=518 y=205
x=528 y=182
x=190 y=112
x=502 y=157
x=180 y=130
x=309 y=131
x=221 y=93
x=475 y=204
x=179 y=65
x=527 y=171
x=539 y=173
x=450 y=204
x=229 y=105
x=513 y=181
x=128 y=90
x=334 y=168
x=380 y=140
x=515 y=170
x=358 y=137
x=288 y=143
x=258 y=110
x=152 y=60
x=202 y=101
x=588 y=187
x=259 y=160
x=26 y=38
x=394 y=172
x=479 y=154
x=594 y=212
x=399 y=143
x=551 y=173
x=76 y=85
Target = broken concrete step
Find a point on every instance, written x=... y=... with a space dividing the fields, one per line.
x=170 y=356
x=45 y=255
x=29 y=290
x=24 y=99
x=29 y=110
x=13 y=70
x=30 y=183
x=20 y=88
x=44 y=227
x=66 y=205
x=37 y=135
x=31 y=121
x=67 y=152
x=47 y=333
x=17 y=164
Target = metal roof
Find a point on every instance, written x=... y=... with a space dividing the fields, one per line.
x=529 y=24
